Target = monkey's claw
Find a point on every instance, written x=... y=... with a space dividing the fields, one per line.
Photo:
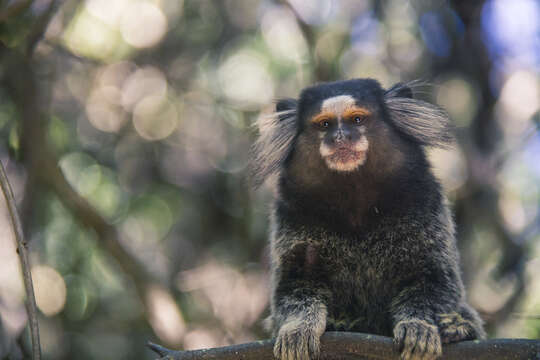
x=417 y=340
x=453 y=328
x=296 y=343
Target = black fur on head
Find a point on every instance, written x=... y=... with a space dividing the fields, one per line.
x=416 y=120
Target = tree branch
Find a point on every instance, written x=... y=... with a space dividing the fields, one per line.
x=346 y=345
x=25 y=263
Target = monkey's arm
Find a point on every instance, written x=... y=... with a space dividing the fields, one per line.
x=300 y=299
x=435 y=289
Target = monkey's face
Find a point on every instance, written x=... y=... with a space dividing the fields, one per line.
x=341 y=127
x=347 y=126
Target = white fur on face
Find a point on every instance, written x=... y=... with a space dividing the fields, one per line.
x=346 y=166
x=325 y=150
x=359 y=146
x=337 y=104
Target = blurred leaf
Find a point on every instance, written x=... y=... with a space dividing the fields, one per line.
x=14 y=141
x=59 y=135
x=7 y=114
x=15 y=29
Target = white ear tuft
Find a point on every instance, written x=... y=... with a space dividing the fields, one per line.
x=277 y=132
x=426 y=123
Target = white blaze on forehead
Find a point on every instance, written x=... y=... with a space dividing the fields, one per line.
x=337 y=104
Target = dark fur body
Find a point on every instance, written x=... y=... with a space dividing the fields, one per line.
x=371 y=250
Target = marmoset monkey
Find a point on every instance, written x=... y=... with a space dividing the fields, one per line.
x=361 y=236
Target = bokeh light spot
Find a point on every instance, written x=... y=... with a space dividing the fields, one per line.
x=103 y=114
x=511 y=28
x=245 y=80
x=148 y=81
x=519 y=100
x=521 y=94
x=457 y=96
x=106 y=10
x=82 y=172
x=143 y=24
x=89 y=36
x=49 y=288
x=449 y=166
x=367 y=34
x=155 y=117
x=165 y=316
x=282 y=35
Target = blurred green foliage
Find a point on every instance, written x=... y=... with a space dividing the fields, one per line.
x=146 y=107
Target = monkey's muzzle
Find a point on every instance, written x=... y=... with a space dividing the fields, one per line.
x=345 y=154
x=344 y=157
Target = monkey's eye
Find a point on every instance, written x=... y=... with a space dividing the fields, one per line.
x=324 y=124
x=359 y=119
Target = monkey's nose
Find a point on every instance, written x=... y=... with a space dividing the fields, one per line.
x=342 y=135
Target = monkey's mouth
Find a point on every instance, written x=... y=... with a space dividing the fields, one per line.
x=345 y=156
x=345 y=159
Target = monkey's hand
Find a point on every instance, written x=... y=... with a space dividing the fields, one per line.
x=417 y=339
x=297 y=340
x=453 y=328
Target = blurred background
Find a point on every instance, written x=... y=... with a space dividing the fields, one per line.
x=125 y=127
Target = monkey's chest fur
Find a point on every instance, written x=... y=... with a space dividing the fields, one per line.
x=362 y=273
x=364 y=268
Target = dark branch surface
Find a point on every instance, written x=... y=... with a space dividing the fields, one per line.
x=346 y=345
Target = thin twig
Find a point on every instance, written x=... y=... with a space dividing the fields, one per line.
x=25 y=264
x=346 y=345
